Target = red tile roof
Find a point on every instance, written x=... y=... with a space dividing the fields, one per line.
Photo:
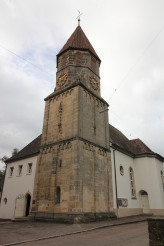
x=78 y=40
x=118 y=138
x=135 y=147
x=138 y=147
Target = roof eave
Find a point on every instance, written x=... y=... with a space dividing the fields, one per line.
x=75 y=48
x=122 y=150
x=151 y=155
x=23 y=157
x=140 y=155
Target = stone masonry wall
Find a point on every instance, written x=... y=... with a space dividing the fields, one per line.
x=61 y=117
x=93 y=119
x=94 y=168
x=80 y=68
x=74 y=156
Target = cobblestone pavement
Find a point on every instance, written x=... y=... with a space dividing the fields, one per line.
x=124 y=231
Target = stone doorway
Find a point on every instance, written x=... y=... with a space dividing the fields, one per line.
x=22 y=205
x=28 y=202
x=19 y=206
x=144 y=202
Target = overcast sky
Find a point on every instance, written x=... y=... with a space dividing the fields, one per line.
x=128 y=36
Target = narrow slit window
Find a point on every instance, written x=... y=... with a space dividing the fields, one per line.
x=162 y=178
x=5 y=200
x=29 y=168
x=121 y=170
x=58 y=194
x=11 y=171
x=20 y=167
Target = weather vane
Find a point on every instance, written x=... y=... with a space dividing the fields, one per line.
x=78 y=17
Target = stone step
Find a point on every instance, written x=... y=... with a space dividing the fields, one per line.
x=148 y=214
x=20 y=219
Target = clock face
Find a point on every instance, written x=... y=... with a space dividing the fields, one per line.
x=62 y=79
x=94 y=83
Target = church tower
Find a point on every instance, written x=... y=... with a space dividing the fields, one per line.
x=73 y=179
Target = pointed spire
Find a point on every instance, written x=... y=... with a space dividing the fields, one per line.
x=78 y=40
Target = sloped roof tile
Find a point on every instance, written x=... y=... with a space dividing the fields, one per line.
x=134 y=147
x=138 y=147
x=29 y=150
x=78 y=40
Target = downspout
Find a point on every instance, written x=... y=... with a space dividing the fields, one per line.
x=115 y=176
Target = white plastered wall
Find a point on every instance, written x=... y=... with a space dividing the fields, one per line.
x=123 y=181
x=147 y=177
x=17 y=185
x=148 y=172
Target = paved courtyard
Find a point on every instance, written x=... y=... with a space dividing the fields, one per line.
x=120 y=232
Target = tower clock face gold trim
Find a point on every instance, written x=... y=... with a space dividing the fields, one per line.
x=62 y=79
x=94 y=83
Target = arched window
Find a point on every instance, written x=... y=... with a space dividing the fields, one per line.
x=162 y=178
x=58 y=195
x=132 y=184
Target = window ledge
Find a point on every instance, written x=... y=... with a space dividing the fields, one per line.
x=134 y=198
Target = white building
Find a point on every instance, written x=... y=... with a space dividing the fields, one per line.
x=138 y=177
x=137 y=173
x=19 y=182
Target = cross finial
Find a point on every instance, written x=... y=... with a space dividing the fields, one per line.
x=78 y=17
